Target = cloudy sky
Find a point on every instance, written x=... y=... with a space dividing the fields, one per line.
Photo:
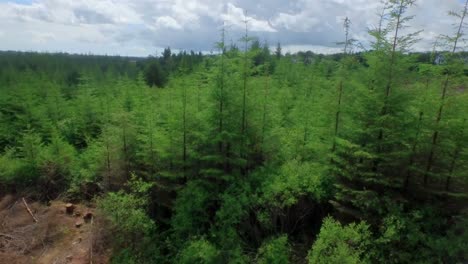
x=143 y=27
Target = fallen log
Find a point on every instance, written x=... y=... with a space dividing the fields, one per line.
x=29 y=210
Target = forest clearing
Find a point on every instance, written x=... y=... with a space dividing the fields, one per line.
x=57 y=236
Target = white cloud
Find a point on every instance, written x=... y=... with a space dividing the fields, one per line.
x=235 y=16
x=42 y=37
x=187 y=13
x=72 y=12
x=167 y=22
x=136 y=27
x=299 y=22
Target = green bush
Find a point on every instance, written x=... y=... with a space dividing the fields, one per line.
x=274 y=251
x=134 y=230
x=14 y=171
x=199 y=251
x=340 y=244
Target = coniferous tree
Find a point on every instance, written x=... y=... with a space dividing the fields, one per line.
x=365 y=165
x=348 y=42
x=278 y=51
x=448 y=76
x=245 y=72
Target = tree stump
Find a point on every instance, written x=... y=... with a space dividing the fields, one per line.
x=79 y=223
x=87 y=217
x=69 y=208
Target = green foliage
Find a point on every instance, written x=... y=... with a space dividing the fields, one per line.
x=127 y=214
x=56 y=165
x=192 y=210
x=199 y=251
x=13 y=171
x=129 y=220
x=134 y=230
x=231 y=215
x=274 y=251
x=341 y=244
x=295 y=180
x=414 y=232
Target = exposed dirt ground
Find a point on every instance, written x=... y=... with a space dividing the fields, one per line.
x=54 y=239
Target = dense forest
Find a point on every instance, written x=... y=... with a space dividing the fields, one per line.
x=250 y=155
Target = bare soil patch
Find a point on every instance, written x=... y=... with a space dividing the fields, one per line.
x=56 y=238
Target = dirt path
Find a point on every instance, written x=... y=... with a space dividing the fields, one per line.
x=54 y=239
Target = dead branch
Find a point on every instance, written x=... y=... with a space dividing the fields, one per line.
x=29 y=210
x=91 y=241
x=6 y=235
